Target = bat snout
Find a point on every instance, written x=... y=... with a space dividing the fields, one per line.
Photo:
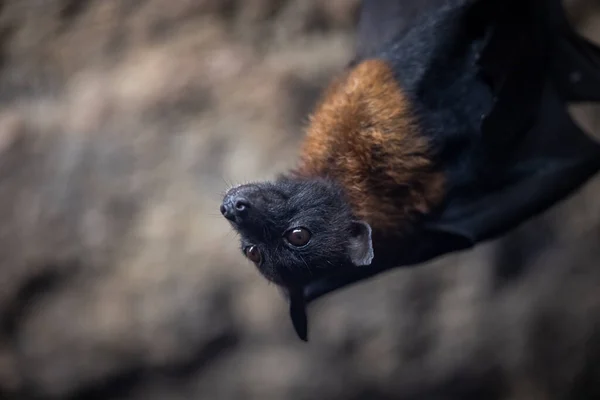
x=239 y=204
x=235 y=208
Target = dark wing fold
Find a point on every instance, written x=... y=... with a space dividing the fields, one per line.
x=381 y=21
x=576 y=64
x=538 y=153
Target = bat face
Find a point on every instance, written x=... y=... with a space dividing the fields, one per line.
x=296 y=230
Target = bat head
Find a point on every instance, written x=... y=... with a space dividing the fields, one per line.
x=296 y=230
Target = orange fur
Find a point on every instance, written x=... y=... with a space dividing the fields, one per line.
x=364 y=136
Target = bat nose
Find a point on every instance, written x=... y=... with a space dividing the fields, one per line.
x=235 y=207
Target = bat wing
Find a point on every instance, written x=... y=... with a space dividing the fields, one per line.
x=383 y=21
x=540 y=155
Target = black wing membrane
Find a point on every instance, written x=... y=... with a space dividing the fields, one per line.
x=527 y=153
x=577 y=61
x=383 y=21
x=540 y=155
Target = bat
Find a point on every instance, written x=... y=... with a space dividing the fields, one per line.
x=448 y=128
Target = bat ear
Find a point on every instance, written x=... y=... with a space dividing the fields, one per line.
x=361 y=245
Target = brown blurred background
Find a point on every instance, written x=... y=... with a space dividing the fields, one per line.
x=121 y=123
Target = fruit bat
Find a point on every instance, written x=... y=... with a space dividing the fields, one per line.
x=448 y=128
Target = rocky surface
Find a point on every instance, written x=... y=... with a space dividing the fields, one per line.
x=121 y=123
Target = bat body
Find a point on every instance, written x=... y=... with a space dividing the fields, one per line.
x=448 y=128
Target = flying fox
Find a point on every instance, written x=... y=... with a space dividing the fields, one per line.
x=448 y=128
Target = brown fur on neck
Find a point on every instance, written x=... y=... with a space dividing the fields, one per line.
x=364 y=136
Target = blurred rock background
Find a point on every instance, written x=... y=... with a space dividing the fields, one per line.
x=122 y=122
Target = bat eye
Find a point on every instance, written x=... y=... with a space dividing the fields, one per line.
x=253 y=254
x=298 y=237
